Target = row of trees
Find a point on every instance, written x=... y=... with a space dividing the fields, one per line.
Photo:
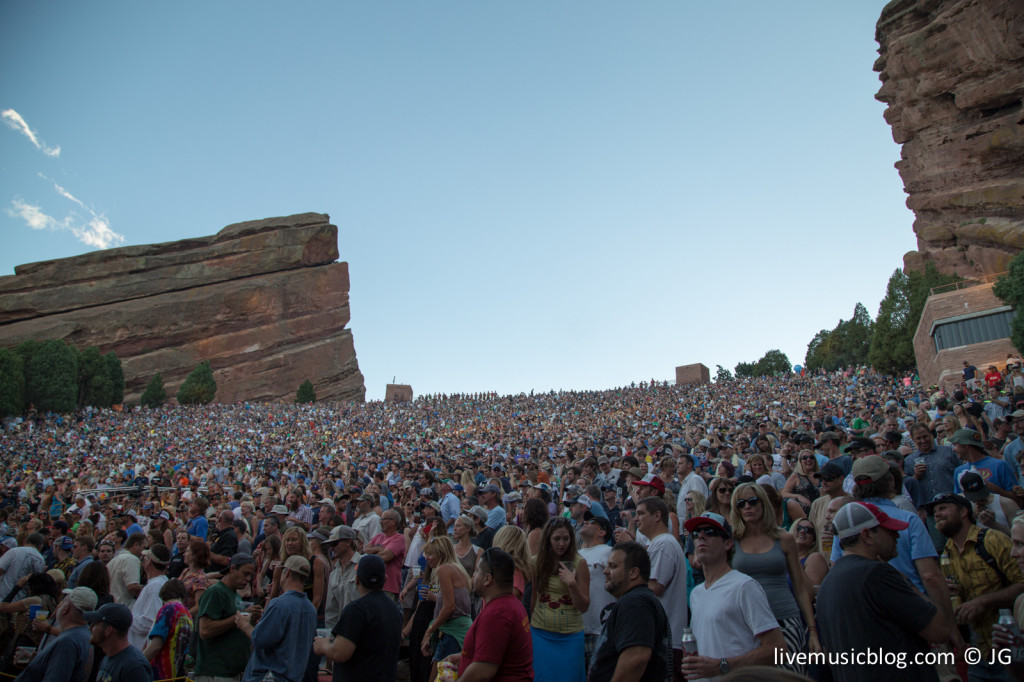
x=55 y=377
x=52 y=376
x=887 y=342
x=772 y=363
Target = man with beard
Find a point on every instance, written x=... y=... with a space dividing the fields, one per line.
x=122 y=662
x=635 y=641
x=498 y=643
x=864 y=604
x=985 y=576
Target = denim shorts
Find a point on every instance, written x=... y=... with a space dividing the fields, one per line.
x=446 y=646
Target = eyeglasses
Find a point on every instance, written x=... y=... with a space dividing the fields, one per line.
x=707 y=532
x=560 y=521
x=807 y=530
x=740 y=504
x=727 y=491
x=807 y=459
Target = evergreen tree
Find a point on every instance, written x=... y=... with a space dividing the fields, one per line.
x=892 y=342
x=52 y=381
x=722 y=374
x=12 y=383
x=94 y=386
x=154 y=395
x=306 y=393
x=116 y=375
x=1010 y=288
x=199 y=387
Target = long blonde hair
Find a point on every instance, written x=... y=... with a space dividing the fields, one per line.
x=698 y=504
x=442 y=548
x=769 y=522
x=304 y=550
x=513 y=540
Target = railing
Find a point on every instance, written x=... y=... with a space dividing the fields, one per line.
x=966 y=283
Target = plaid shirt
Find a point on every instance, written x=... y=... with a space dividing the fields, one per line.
x=977 y=578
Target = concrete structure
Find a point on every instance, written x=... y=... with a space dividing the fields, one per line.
x=963 y=311
x=693 y=374
x=398 y=393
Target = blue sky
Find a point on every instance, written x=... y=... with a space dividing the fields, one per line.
x=529 y=195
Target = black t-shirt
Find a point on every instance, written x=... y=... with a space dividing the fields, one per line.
x=636 y=619
x=127 y=665
x=374 y=624
x=226 y=544
x=484 y=539
x=866 y=605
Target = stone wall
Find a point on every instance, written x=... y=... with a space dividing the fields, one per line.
x=693 y=374
x=263 y=301
x=398 y=393
x=952 y=75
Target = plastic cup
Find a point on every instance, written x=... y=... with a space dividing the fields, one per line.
x=33 y=609
x=42 y=614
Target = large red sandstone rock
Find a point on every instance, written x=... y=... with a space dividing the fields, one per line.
x=262 y=301
x=952 y=73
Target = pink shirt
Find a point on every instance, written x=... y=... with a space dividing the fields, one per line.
x=393 y=568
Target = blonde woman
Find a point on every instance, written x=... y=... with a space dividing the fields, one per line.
x=294 y=541
x=451 y=590
x=769 y=555
x=463 y=532
x=513 y=541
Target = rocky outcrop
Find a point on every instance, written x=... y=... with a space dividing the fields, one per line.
x=263 y=301
x=952 y=75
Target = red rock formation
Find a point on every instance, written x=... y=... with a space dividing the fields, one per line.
x=952 y=75
x=263 y=301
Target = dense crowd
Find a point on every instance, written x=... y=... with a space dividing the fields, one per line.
x=649 y=532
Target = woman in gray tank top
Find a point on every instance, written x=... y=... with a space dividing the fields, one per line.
x=769 y=556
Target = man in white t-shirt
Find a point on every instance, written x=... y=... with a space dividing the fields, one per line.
x=688 y=480
x=732 y=621
x=668 y=570
x=595 y=533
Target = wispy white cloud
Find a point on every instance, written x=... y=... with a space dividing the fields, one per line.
x=63 y=192
x=94 y=231
x=16 y=123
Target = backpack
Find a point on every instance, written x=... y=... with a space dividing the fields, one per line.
x=987 y=557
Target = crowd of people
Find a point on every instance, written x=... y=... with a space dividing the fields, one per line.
x=766 y=525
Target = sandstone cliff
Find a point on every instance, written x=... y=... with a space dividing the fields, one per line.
x=263 y=301
x=952 y=75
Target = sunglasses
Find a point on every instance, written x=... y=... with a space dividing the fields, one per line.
x=707 y=532
x=727 y=491
x=560 y=521
x=807 y=530
x=807 y=459
x=740 y=504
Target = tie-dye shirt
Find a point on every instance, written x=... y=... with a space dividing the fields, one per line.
x=174 y=625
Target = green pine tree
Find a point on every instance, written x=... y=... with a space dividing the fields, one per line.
x=52 y=381
x=892 y=343
x=199 y=387
x=154 y=395
x=306 y=393
x=1010 y=288
x=12 y=383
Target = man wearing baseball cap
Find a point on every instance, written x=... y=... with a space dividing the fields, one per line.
x=970 y=448
x=864 y=604
x=368 y=522
x=282 y=638
x=916 y=559
x=67 y=655
x=730 y=615
x=365 y=643
x=341 y=584
x=121 y=661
